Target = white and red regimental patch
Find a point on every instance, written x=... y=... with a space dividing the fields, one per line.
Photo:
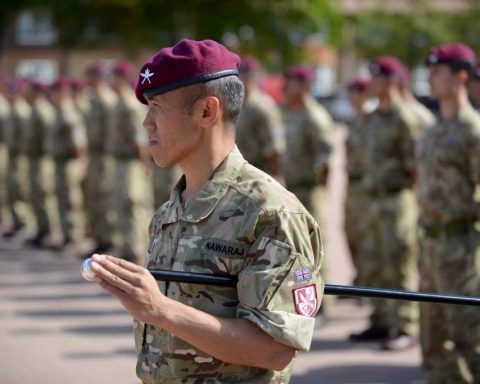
x=306 y=300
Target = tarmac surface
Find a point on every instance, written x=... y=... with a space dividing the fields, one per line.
x=55 y=327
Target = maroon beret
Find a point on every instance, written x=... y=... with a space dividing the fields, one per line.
x=358 y=85
x=96 y=69
x=186 y=63
x=38 y=86
x=60 y=84
x=18 y=85
x=123 y=68
x=249 y=64
x=299 y=72
x=389 y=65
x=77 y=84
x=454 y=54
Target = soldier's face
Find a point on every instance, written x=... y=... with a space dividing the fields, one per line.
x=442 y=80
x=378 y=85
x=172 y=133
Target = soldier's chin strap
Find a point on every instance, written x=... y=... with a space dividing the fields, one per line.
x=330 y=289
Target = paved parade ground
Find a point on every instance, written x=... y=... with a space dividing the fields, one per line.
x=57 y=328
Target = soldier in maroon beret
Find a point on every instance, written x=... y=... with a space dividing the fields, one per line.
x=474 y=86
x=448 y=171
x=389 y=207
x=223 y=217
x=98 y=178
x=355 y=199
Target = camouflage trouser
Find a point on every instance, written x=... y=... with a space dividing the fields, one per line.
x=17 y=187
x=391 y=234
x=4 y=216
x=98 y=197
x=38 y=195
x=450 y=334
x=69 y=196
x=132 y=203
x=355 y=230
x=164 y=180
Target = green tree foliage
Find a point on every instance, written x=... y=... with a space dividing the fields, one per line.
x=272 y=29
x=411 y=35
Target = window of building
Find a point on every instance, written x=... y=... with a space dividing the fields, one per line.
x=43 y=70
x=35 y=27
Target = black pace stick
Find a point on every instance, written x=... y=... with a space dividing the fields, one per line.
x=330 y=289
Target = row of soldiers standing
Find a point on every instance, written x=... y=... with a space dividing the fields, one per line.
x=411 y=207
x=78 y=157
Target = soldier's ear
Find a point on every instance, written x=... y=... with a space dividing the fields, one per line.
x=209 y=112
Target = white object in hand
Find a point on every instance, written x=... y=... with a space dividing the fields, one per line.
x=87 y=272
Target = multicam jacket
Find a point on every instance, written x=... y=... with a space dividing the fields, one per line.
x=308 y=143
x=448 y=170
x=260 y=131
x=245 y=224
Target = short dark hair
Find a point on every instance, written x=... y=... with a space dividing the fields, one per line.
x=228 y=90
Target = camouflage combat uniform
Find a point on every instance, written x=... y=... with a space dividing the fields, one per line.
x=17 y=175
x=391 y=215
x=4 y=114
x=40 y=168
x=357 y=199
x=98 y=179
x=132 y=198
x=260 y=132
x=308 y=138
x=448 y=158
x=245 y=224
x=64 y=143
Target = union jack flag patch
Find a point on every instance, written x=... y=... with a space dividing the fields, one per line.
x=303 y=274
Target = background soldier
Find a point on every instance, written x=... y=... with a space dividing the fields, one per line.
x=40 y=169
x=260 y=132
x=448 y=174
x=356 y=199
x=308 y=136
x=66 y=143
x=17 y=168
x=80 y=99
x=4 y=115
x=98 y=181
x=128 y=145
x=474 y=86
x=391 y=219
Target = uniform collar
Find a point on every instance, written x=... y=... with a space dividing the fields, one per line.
x=204 y=201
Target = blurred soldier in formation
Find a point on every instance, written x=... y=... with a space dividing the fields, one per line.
x=356 y=199
x=39 y=168
x=4 y=114
x=422 y=115
x=98 y=181
x=260 y=132
x=448 y=157
x=391 y=218
x=474 y=86
x=308 y=137
x=127 y=143
x=66 y=143
x=79 y=98
x=17 y=168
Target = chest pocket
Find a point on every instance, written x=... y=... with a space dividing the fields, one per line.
x=212 y=256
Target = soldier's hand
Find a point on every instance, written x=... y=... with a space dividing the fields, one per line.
x=132 y=285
